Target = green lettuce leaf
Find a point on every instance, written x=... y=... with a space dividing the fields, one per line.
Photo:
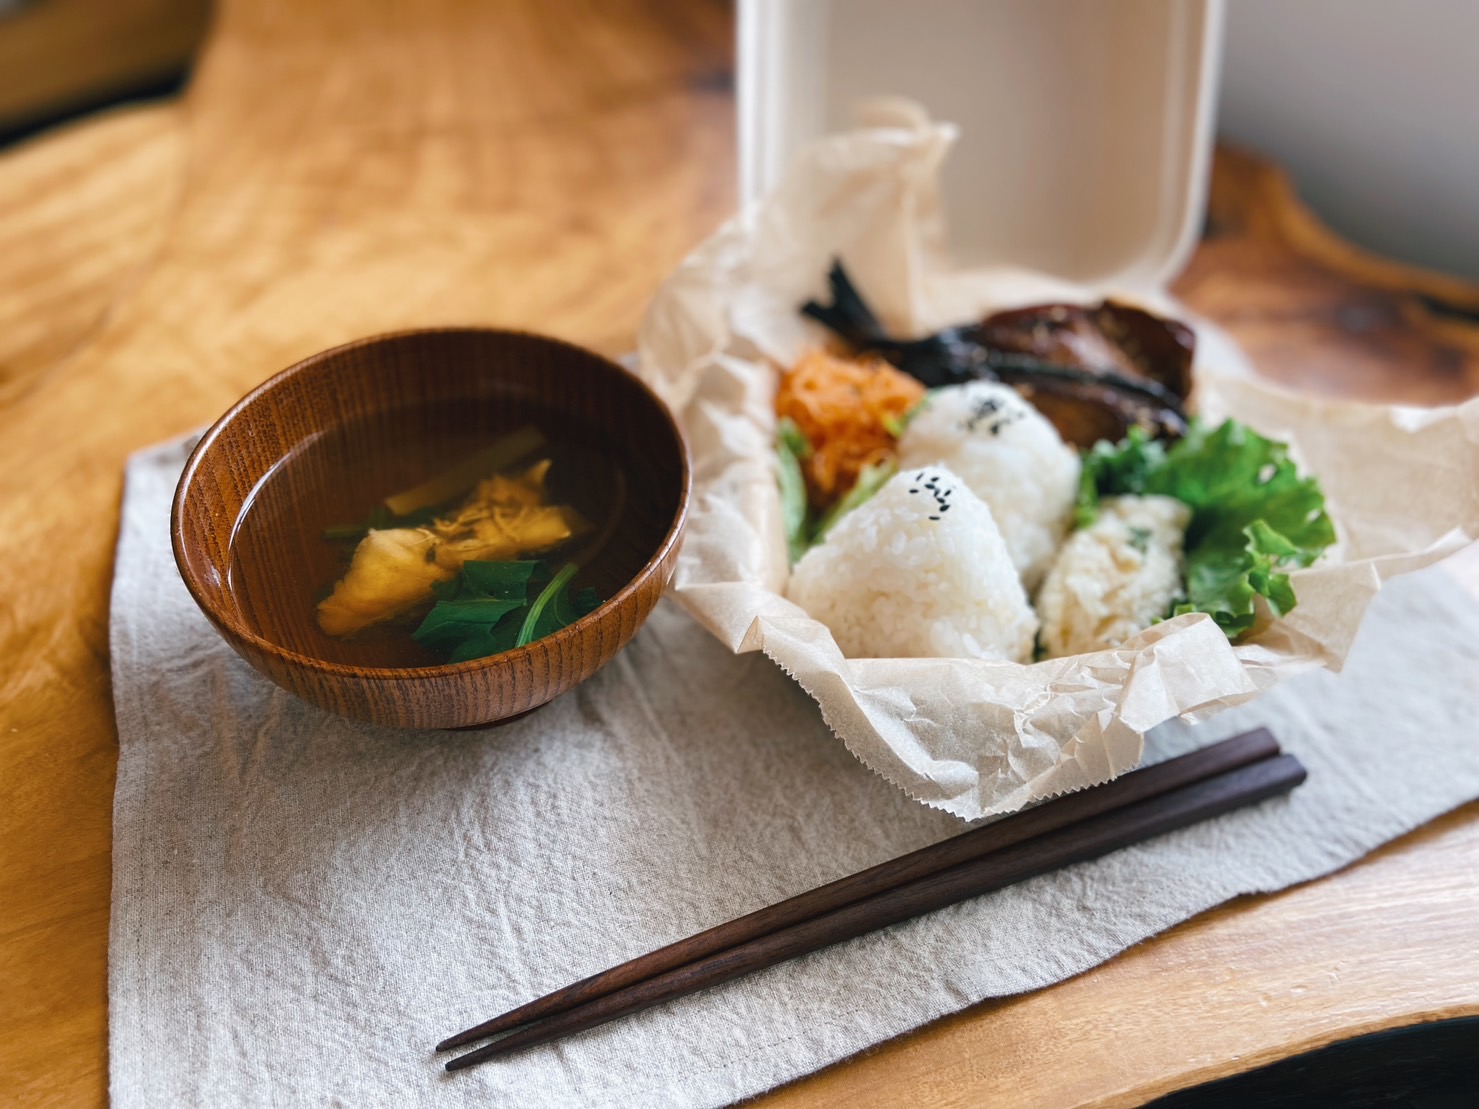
x=1253 y=516
x=1118 y=467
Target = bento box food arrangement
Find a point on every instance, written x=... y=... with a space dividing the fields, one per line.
x=1000 y=524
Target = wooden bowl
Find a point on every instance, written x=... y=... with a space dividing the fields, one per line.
x=325 y=439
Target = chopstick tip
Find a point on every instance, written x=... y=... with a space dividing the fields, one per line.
x=464 y=1061
x=467 y=1036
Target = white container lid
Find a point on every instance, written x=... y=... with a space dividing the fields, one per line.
x=1086 y=126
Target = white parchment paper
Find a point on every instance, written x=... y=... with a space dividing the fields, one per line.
x=303 y=906
x=977 y=737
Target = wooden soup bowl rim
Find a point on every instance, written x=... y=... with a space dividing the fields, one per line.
x=233 y=628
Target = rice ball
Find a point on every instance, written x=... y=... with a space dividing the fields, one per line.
x=1114 y=578
x=918 y=570
x=1010 y=456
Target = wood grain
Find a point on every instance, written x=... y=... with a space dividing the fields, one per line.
x=81 y=216
x=421 y=164
x=344 y=168
x=1385 y=943
x=337 y=432
x=1317 y=313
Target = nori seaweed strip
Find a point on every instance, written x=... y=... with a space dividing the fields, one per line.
x=954 y=355
x=1015 y=368
x=848 y=315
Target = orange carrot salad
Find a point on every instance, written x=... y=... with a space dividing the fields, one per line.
x=849 y=410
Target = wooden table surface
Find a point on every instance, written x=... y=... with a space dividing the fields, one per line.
x=347 y=167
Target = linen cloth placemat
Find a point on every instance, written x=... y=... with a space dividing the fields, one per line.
x=303 y=906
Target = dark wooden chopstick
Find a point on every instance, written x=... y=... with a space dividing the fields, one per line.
x=1135 y=787
x=1151 y=781
x=1074 y=843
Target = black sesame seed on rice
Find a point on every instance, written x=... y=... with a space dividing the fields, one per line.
x=983 y=409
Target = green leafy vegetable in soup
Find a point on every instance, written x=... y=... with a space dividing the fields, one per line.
x=466 y=544
x=395 y=569
x=492 y=607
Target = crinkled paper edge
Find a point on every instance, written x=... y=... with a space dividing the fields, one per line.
x=972 y=737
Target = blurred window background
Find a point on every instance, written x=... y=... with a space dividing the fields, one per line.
x=1372 y=105
x=61 y=58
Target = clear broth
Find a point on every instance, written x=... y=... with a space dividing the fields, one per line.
x=281 y=565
